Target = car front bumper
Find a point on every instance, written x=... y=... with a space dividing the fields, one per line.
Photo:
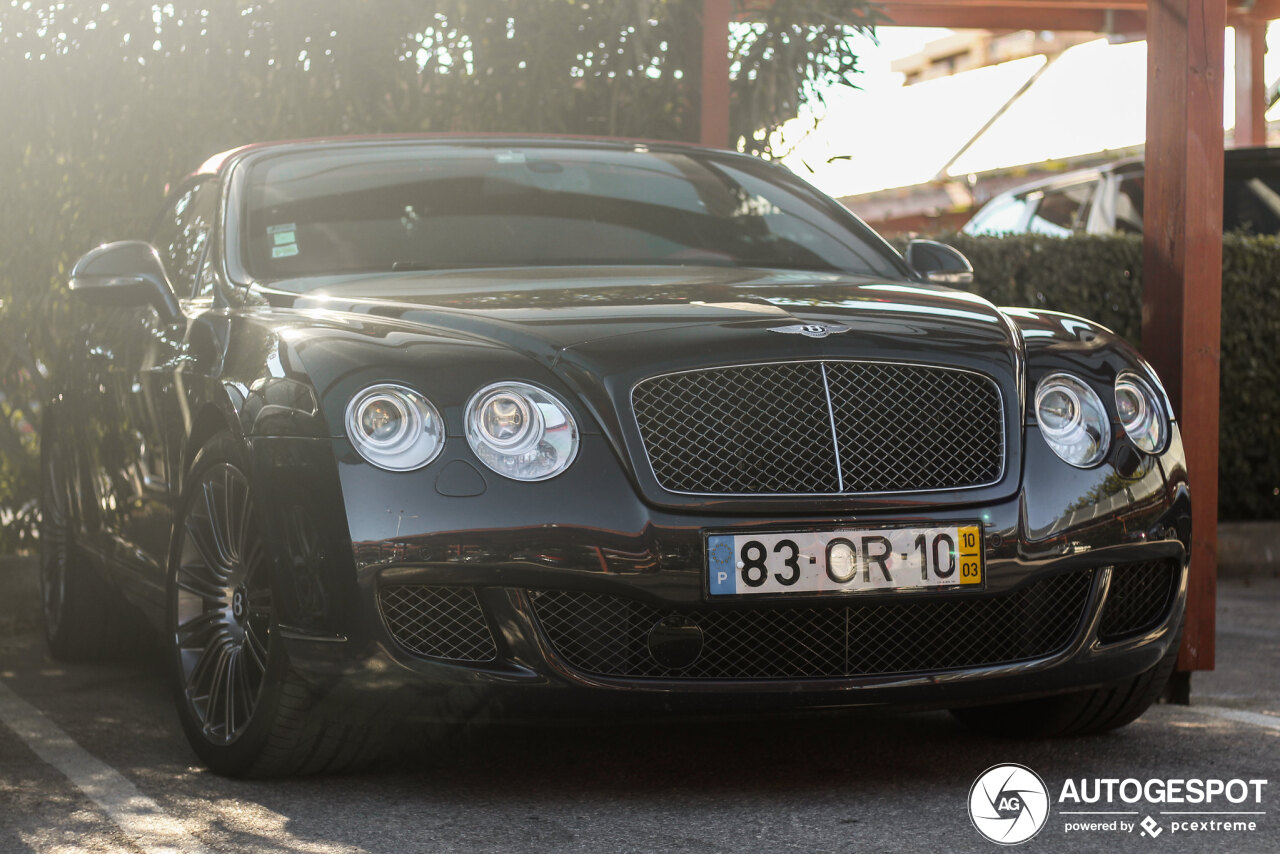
x=1063 y=553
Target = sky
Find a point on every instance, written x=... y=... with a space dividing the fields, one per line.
x=1089 y=100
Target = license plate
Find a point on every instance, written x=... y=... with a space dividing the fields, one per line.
x=854 y=560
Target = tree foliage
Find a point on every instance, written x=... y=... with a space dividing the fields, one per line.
x=105 y=102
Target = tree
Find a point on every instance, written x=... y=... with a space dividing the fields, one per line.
x=108 y=102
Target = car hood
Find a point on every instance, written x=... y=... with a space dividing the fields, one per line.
x=600 y=332
x=620 y=315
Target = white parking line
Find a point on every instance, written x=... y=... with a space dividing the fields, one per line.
x=1237 y=715
x=141 y=818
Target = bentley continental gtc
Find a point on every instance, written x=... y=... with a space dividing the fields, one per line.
x=380 y=432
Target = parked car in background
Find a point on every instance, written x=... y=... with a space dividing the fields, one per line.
x=408 y=429
x=1109 y=199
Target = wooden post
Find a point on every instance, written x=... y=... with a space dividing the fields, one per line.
x=1182 y=289
x=714 y=126
x=1251 y=84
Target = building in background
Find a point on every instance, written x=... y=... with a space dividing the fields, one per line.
x=965 y=50
x=920 y=152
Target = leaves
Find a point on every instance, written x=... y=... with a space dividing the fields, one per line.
x=107 y=103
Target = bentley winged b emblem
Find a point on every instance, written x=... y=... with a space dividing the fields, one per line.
x=812 y=330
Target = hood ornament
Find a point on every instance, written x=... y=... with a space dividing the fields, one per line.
x=812 y=330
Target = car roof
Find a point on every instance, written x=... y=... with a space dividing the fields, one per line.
x=220 y=161
x=1233 y=158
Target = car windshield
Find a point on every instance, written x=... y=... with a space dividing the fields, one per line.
x=435 y=206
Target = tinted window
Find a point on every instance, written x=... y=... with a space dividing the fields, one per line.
x=182 y=232
x=1129 y=200
x=1252 y=203
x=382 y=208
x=1062 y=211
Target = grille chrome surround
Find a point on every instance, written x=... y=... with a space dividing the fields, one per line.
x=1138 y=599
x=438 y=622
x=608 y=636
x=795 y=429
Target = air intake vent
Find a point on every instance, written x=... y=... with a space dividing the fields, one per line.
x=438 y=622
x=610 y=636
x=1139 y=598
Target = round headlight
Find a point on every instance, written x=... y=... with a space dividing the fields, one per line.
x=1072 y=420
x=1140 y=412
x=394 y=427
x=521 y=431
x=506 y=420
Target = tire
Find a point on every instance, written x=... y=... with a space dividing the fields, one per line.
x=84 y=619
x=1080 y=713
x=244 y=709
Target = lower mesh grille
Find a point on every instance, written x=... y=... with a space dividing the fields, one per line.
x=609 y=636
x=438 y=622
x=1139 y=598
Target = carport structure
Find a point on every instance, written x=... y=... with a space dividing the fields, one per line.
x=1182 y=254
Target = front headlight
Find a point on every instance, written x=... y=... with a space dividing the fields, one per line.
x=394 y=427
x=1141 y=412
x=1072 y=420
x=521 y=431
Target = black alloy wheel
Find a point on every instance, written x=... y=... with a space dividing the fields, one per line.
x=84 y=619
x=222 y=605
x=55 y=543
x=245 y=711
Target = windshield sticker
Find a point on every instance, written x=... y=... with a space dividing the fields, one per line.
x=282 y=235
x=287 y=251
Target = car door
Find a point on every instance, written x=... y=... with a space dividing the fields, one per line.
x=133 y=357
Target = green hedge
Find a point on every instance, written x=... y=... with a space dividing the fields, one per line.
x=1101 y=278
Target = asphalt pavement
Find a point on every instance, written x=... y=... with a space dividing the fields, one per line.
x=92 y=760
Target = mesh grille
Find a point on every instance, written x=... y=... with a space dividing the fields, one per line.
x=438 y=622
x=768 y=429
x=760 y=429
x=906 y=427
x=1138 y=600
x=608 y=636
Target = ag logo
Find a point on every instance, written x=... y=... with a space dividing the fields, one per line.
x=1008 y=804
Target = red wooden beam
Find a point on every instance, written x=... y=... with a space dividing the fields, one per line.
x=1182 y=282
x=1022 y=16
x=1251 y=83
x=1260 y=10
x=714 y=126
x=1100 y=16
x=1024 y=5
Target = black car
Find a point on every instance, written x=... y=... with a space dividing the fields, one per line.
x=1109 y=199
x=395 y=430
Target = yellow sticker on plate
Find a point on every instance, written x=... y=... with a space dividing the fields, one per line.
x=970 y=549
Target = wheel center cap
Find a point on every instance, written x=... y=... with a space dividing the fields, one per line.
x=239 y=604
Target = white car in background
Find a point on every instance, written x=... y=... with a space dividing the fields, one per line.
x=1109 y=199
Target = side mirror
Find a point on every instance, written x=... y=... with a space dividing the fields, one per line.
x=124 y=273
x=939 y=263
